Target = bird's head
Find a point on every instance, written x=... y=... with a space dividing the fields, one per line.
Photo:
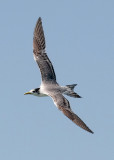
x=34 y=92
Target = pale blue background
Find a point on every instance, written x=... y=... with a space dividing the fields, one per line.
x=80 y=42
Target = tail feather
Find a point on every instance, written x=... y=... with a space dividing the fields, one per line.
x=73 y=94
x=71 y=86
x=70 y=91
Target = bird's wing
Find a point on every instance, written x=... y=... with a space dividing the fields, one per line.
x=45 y=65
x=63 y=104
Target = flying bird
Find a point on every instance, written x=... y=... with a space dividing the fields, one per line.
x=49 y=86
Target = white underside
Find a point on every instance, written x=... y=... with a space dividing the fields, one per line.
x=39 y=95
x=42 y=95
x=43 y=91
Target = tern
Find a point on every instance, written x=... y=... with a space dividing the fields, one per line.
x=49 y=86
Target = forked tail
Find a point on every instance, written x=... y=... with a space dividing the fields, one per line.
x=70 y=91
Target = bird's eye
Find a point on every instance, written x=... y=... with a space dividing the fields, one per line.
x=33 y=91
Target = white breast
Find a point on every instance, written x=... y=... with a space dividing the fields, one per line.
x=43 y=89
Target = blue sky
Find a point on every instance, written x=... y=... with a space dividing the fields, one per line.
x=80 y=43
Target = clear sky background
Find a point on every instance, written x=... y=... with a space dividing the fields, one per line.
x=80 y=43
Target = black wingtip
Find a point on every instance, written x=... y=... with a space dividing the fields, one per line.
x=40 y=18
x=91 y=131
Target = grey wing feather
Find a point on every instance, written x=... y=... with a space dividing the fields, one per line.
x=63 y=104
x=45 y=65
x=39 y=38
